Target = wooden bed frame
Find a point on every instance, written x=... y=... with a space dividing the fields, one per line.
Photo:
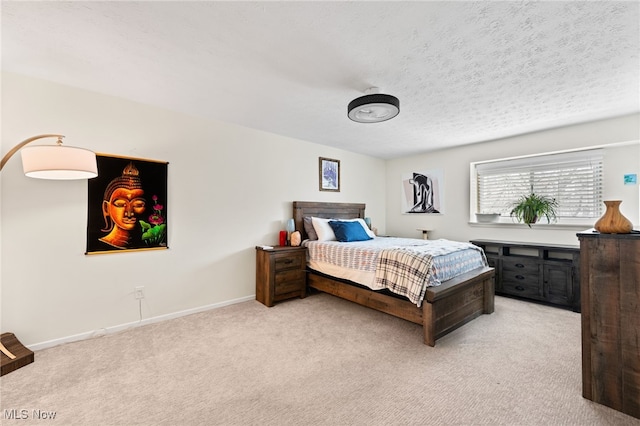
x=445 y=307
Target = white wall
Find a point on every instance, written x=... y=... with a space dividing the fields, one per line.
x=454 y=223
x=230 y=189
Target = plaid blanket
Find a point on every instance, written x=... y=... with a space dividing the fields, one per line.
x=404 y=271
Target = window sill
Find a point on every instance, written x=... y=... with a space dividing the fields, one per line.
x=547 y=226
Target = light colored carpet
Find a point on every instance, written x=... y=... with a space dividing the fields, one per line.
x=316 y=361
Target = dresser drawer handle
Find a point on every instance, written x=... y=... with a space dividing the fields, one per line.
x=519 y=265
x=287 y=261
x=519 y=288
x=519 y=277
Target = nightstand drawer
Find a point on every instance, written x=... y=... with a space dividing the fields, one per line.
x=289 y=281
x=286 y=261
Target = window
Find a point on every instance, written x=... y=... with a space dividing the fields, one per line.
x=574 y=179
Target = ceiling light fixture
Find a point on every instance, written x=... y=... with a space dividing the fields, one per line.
x=55 y=161
x=374 y=107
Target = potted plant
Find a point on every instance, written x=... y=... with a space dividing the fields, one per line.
x=530 y=208
x=485 y=217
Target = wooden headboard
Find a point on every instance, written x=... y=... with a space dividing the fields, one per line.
x=325 y=210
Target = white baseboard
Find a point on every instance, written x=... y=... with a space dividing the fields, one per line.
x=122 y=327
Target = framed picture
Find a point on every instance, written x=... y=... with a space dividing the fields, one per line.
x=127 y=205
x=422 y=192
x=329 y=176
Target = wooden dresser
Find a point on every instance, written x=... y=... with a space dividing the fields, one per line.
x=280 y=273
x=610 y=270
x=547 y=273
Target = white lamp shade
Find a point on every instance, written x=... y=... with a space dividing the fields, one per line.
x=290 y=226
x=59 y=162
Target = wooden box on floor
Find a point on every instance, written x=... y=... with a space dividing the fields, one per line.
x=23 y=355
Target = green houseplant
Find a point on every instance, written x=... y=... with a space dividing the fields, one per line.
x=530 y=208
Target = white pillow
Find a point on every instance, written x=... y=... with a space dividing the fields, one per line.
x=325 y=232
x=323 y=229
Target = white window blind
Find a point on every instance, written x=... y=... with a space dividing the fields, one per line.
x=574 y=179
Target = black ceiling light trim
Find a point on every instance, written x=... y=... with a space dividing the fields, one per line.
x=373 y=108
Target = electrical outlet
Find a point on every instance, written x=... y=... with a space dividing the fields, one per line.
x=138 y=292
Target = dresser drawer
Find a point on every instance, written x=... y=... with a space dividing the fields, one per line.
x=521 y=277
x=286 y=261
x=521 y=266
x=522 y=288
x=492 y=261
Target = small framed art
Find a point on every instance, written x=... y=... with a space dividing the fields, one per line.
x=329 y=174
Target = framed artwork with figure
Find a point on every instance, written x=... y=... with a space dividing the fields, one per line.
x=422 y=192
x=329 y=178
x=127 y=205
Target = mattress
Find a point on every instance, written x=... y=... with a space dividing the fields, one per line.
x=381 y=263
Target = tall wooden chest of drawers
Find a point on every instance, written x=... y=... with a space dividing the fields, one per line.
x=610 y=269
x=280 y=273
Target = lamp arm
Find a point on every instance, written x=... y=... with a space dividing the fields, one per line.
x=6 y=158
x=23 y=143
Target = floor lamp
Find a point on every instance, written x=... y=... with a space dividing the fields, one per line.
x=56 y=162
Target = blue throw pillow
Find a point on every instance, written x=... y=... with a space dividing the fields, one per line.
x=348 y=231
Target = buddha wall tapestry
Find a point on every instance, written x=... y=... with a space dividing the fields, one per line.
x=127 y=205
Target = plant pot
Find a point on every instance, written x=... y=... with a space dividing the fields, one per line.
x=487 y=217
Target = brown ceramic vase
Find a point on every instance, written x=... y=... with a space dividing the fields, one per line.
x=613 y=222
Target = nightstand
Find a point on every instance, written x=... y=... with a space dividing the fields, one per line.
x=280 y=273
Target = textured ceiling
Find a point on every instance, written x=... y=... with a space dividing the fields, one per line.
x=464 y=72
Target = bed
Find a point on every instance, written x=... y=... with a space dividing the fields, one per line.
x=445 y=307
